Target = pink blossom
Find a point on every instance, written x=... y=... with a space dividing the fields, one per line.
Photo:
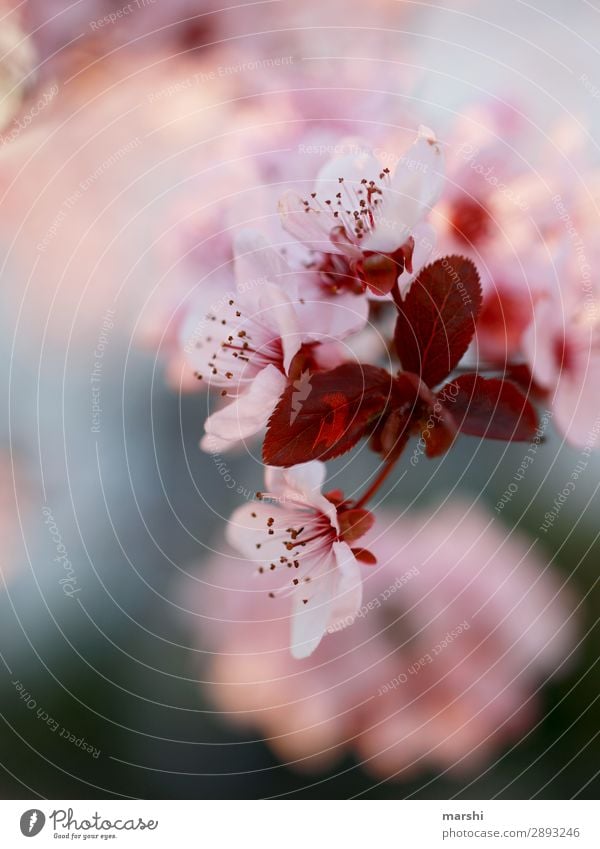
x=562 y=347
x=294 y=533
x=65 y=32
x=461 y=621
x=498 y=209
x=362 y=210
x=245 y=342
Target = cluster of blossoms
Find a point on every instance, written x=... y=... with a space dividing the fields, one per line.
x=283 y=343
x=404 y=291
x=283 y=319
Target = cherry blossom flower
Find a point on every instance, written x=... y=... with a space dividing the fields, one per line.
x=245 y=343
x=298 y=535
x=460 y=624
x=499 y=209
x=362 y=214
x=562 y=347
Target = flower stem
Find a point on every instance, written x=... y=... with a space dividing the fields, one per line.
x=380 y=478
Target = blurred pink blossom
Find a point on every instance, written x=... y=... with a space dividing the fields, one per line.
x=459 y=625
x=66 y=32
x=562 y=344
x=498 y=208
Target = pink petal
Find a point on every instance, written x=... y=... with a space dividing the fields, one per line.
x=247 y=415
x=312 y=228
x=257 y=262
x=351 y=168
x=310 y=619
x=275 y=309
x=304 y=483
x=247 y=529
x=416 y=186
x=349 y=588
x=303 y=480
x=576 y=404
x=326 y=317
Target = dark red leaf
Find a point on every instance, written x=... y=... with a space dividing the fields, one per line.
x=335 y=411
x=438 y=430
x=521 y=375
x=436 y=320
x=431 y=419
x=410 y=398
x=419 y=411
x=490 y=407
x=391 y=434
x=355 y=523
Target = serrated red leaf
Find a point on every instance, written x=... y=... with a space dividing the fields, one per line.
x=341 y=407
x=490 y=407
x=438 y=430
x=436 y=320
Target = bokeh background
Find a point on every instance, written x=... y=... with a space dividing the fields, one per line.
x=122 y=142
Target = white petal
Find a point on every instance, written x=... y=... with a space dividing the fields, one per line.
x=310 y=620
x=416 y=186
x=325 y=317
x=348 y=591
x=248 y=414
x=276 y=310
x=302 y=483
x=306 y=478
x=247 y=528
x=264 y=314
x=312 y=228
x=351 y=168
x=213 y=444
x=275 y=481
x=420 y=174
x=257 y=262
